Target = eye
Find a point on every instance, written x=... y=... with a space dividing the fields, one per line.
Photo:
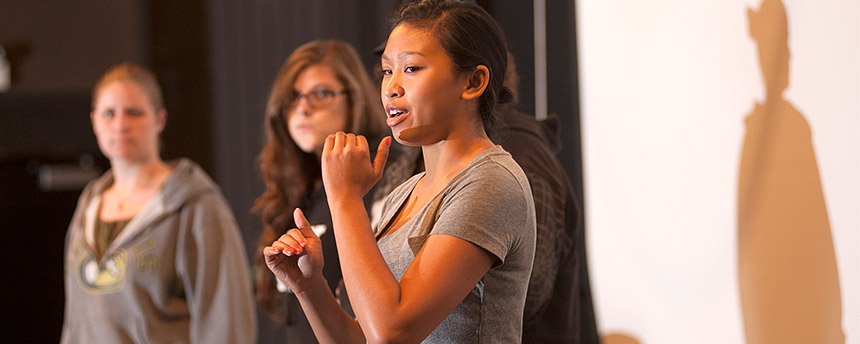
x=107 y=113
x=412 y=69
x=386 y=71
x=135 y=112
x=293 y=99
x=323 y=95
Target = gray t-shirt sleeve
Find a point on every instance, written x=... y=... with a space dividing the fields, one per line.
x=487 y=208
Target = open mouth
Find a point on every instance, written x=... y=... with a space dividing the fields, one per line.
x=395 y=115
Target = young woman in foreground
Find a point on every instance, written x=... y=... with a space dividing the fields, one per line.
x=451 y=259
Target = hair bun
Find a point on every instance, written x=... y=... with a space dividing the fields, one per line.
x=505 y=95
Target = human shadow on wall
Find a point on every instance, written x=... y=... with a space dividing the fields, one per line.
x=788 y=280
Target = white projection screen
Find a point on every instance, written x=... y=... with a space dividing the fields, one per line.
x=721 y=165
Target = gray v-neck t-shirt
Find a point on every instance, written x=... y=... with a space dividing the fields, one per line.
x=488 y=204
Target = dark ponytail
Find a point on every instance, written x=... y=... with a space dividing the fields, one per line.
x=471 y=38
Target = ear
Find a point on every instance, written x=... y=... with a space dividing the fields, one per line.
x=477 y=80
x=161 y=119
x=93 y=120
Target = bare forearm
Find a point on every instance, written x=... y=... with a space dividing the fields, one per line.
x=331 y=324
x=373 y=291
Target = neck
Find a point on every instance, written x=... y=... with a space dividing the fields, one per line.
x=130 y=175
x=444 y=159
x=773 y=97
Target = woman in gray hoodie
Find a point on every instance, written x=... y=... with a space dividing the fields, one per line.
x=153 y=252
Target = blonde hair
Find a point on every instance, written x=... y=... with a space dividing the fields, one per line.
x=141 y=76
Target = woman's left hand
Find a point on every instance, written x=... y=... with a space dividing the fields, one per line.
x=296 y=257
x=346 y=167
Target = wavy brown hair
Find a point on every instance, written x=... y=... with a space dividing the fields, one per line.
x=289 y=173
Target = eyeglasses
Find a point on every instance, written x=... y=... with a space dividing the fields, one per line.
x=316 y=99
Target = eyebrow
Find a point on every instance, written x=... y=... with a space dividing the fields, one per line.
x=403 y=54
x=316 y=87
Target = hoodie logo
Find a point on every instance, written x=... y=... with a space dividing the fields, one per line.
x=105 y=278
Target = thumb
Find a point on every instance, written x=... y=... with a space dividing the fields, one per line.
x=381 y=156
x=302 y=223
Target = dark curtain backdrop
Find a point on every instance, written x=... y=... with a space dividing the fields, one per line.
x=216 y=60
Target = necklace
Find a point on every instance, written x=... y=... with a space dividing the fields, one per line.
x=125 y=201
x=119 y=201
x=118 y=205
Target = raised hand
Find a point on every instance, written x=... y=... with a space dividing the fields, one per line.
x=296 y=257
x=346 y=167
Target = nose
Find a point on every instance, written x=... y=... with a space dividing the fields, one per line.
x=392 y=88
x=122 y=121
x=303 y=106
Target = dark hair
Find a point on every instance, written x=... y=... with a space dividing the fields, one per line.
x=289 y=173
x=471 y=37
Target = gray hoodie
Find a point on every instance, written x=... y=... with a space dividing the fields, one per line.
x=177 y=273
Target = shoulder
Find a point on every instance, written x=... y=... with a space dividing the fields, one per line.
x=490 y=205
x=189 y=187
x=94 y=188
x=492 y=183
x=188 y=180
x=495 y=168
x=190 y=175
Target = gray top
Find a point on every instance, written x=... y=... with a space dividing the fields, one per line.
x=177 y=273
x=489 y=204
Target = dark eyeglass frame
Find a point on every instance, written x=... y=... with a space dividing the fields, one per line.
x=317 y=99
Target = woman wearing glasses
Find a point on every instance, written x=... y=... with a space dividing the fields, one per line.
x=321 y=89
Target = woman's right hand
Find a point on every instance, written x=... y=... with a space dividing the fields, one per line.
x=296 y=257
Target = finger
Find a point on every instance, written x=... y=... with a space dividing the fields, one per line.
x=278 y=247
x=339 y=139
x=303 y=224
x=361 y=146
x=329 y=143
x=270 y=251
x=296 y=234
x=381 y=156
x=300 y=220
x=350 y=141
x=294 y=241
x=288 y=240
x=273 y=252
x=361 y=143
x=288 y=244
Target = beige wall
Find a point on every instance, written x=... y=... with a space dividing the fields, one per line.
x=719 y=212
